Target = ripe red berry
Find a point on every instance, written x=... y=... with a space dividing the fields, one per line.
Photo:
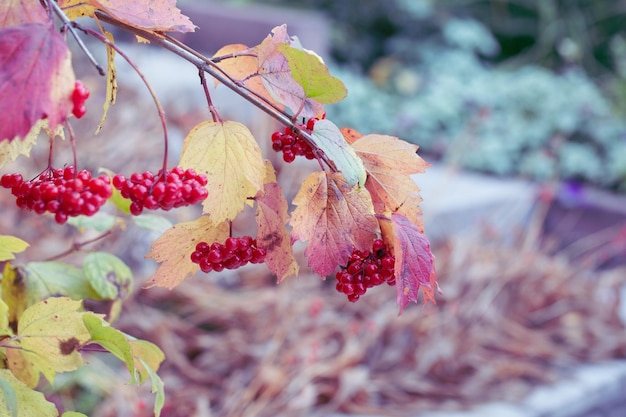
x=79 y=96
x=232 y=254
x=365 y=270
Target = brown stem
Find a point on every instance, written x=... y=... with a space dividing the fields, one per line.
x=76 y=246
x=70 y=131
x=212 y=109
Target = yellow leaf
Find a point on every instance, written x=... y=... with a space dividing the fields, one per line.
x=232 y=161
x=30 y=403
x=334 y=218
x=173 y=249
x=146 y=353
x=111 y=93
x=74 y=9
x=4 y=319
x=389 y=163
x=10 y=150
x=22 y=368
x=10 y=245
x=13 y=292
x=49 y=333
x=272 y=234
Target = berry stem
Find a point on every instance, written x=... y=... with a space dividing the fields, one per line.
x=212 y=109
x=70 y=131
x=50 y=152
x=67 y=24
x=76 y=246
x=134 y=66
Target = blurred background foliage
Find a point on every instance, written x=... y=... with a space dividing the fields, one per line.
x=532 y=88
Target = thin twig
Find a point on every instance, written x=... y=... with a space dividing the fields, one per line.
x=157 y=103
x=68 y=24
x=212 y=109
x=70 y=131
x=76 y=246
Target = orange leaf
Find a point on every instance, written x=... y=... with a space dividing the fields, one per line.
x=415 y=263
x=335 y=218
x=389 y=163
x=275 y=74
x=36 y=74
x=271 y=217
x=21 y=11
x=351 y=135
x=157 y=15
x=243 y=66
x=173 y=250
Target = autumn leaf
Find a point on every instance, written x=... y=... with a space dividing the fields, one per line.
x=173 y=250
x=414 y=261
x=36 y=73
x=16 y=12
x=242 y=66
x=156 y=15
x=389 y=163
x=111 y=92
x=313 y=76
x=329 y=139
x=334 y=218
x=230 y=157
x=350 y=135
x=272 y=235
x=49 y=333
x=273 y=68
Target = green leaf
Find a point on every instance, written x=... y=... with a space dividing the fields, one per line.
x=100 y=222
x=147 y=356
x=112 y=340
x=109 y=276
x=10 y=397
x=158 y=388
x=312 y=74
x=152 y=222
x=74 y=414
x=45 y=279
x=30 y=403
x=4 y=319
x=49 y=333
x=329 y=139
x=10 y=245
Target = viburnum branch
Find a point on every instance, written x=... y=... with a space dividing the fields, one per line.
x=212 y=109
x=134 y=66
x=76 y=246
x=52 y=5
x=207 y=65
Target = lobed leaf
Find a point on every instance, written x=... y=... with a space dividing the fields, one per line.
x=273 y=68
x=49 y=333
x=173 y=250
x=10 y=245
x=36 y=72
x=230 y=157
x=415 y=263
x=334 y=218
x=272 y=235
x=27 y=402
x=16 y=12
x=389 y=163
x=329 y=139
x=313 y=76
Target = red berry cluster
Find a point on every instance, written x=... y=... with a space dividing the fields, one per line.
x=232 y=254
x=79 y=96
x=165 y=190
x=365 y=270
x=292 y=144
x=63 y=192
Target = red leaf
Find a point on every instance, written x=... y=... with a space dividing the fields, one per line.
x=335 y=218
x=158 y=15
x=415 y=263
x=36 y=79
x=22 y=11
